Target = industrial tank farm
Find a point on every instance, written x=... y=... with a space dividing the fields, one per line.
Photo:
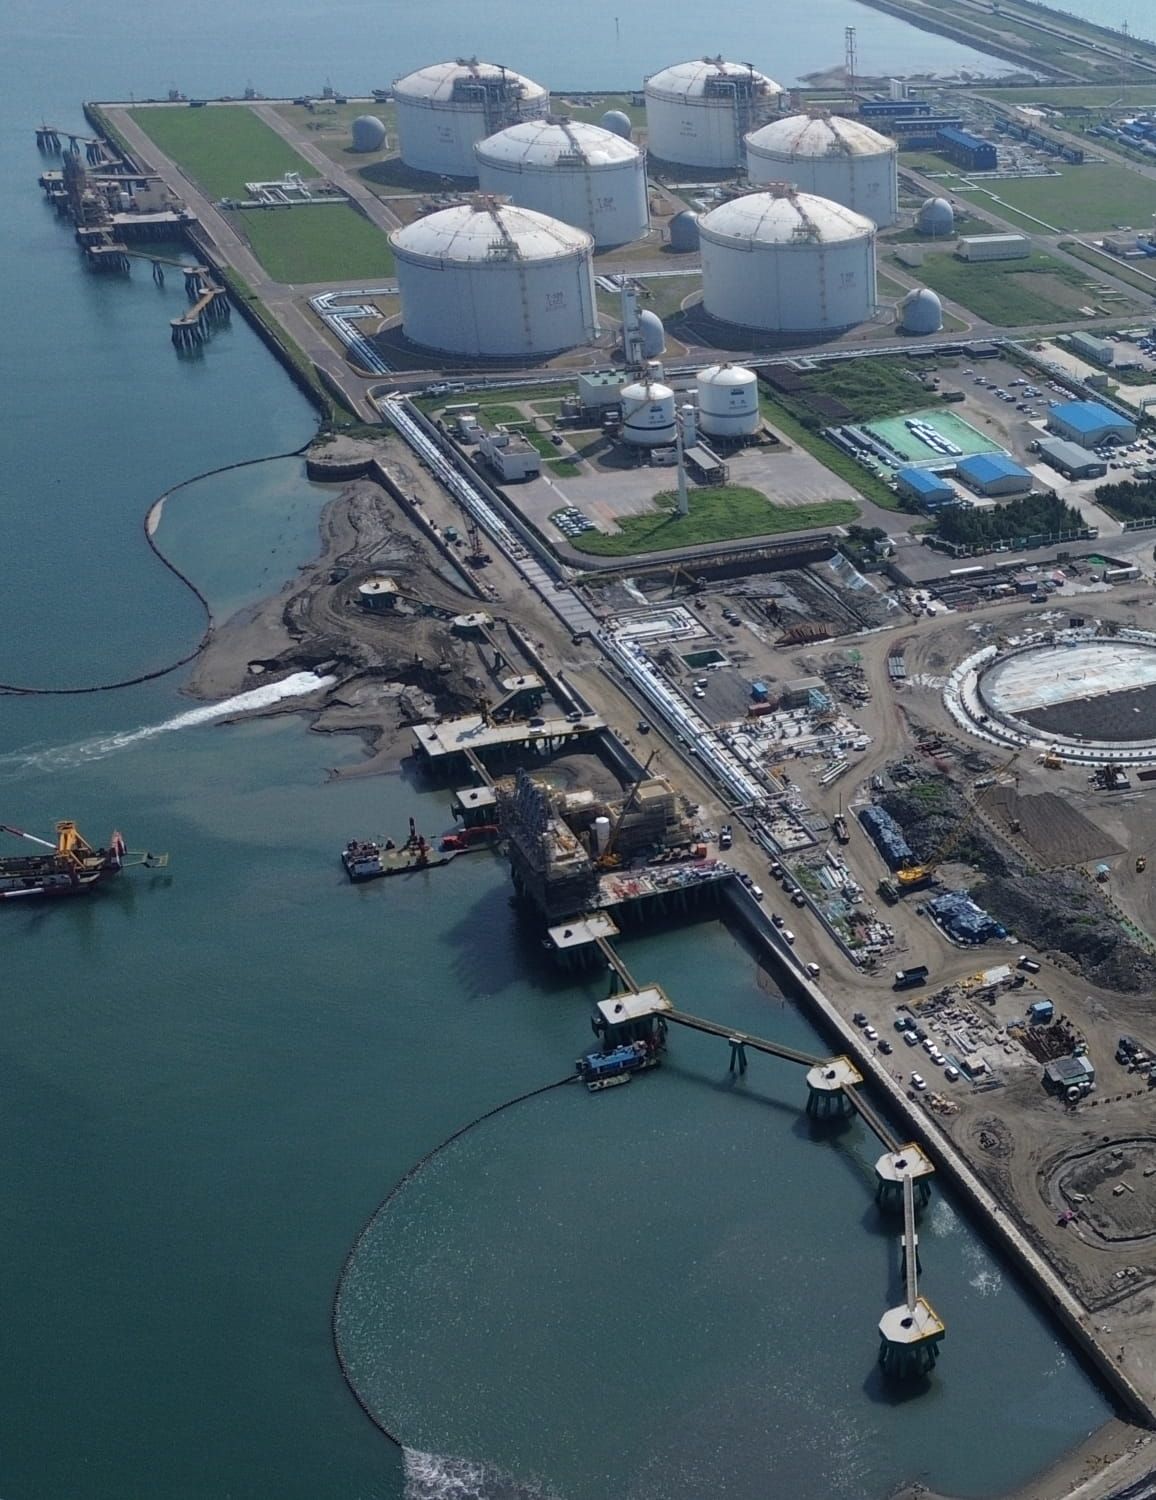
x=484 y=279
x=843 y=160
x=445 y=109
x=697 y=113
x=787 y=262
x=578 y=173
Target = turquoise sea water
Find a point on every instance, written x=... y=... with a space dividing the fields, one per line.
x=210 y=1076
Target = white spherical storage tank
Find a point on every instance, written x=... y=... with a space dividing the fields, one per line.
x=787 y=262
x=648 y=414
x=697 y=113
x=489 y=279
x=443 y=110
x=843 y=160
x=728 y=401
x=578 y=173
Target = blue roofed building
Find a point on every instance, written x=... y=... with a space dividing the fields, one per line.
x=1090 y=423
x=993 y=474
x=929 y=491
x=965 y=149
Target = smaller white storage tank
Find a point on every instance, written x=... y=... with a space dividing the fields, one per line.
x=728 y=401
x=367 y=133
x=648 y=419
x=684 y=232
x=843 y=160
x=921 y=311
x=619 y=123
x=698 y=112
x=936 y=218
x=445 y=109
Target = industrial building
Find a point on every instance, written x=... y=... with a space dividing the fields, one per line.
x=992 y=474
x=936 y=218
x=843 y=160
x=921 y=312
x=929 y=491
x=509 y=455
x=994 y=247
x=579 y=173
x=1071 y=460
x=728 y=401
x=1089 y=424
x=697 y=113
x=485 y=279
x=1100 y=351
x=962 y=149
x=782 y=261
x=445 y=109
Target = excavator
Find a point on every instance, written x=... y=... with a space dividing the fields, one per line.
x=914 y=877
x=609 y=859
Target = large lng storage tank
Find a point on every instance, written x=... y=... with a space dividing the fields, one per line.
x=787 y=262
x=697 y=113
x=843 y=160
x=443 y=110
x=486 y=279
x=578 y=173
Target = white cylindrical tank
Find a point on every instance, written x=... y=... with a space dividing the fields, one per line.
x=601 y=834
x=787 y=262
x=843 y=160
x=728 y=401
x=697 y=113
x=578 y=173
x=443 y=110
x=490 y=279
x=688 y=421
x=648 y=414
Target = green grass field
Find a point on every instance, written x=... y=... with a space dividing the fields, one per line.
x=1012 y=293
x=1078 y=97
x=221 y=147
x=716 y=515
x=1080 y=198
x=315 y=242
x=1122 y=270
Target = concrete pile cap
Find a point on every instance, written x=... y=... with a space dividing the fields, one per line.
x=479 y=231
x=819 y=134
x=436 y=82
x=689 y=80
x=556 y=142
x=780 y=215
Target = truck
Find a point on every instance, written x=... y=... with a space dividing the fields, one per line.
x=909 y=979
x=840 y=827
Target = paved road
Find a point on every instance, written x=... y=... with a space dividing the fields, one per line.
x=371 y=205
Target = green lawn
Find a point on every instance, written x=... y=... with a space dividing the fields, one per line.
x=221 y=147
x=1088 y=197
x=1079 y=97
x=315 y=242
x=1122 y=270
x=1011 y=293
x=716 y=515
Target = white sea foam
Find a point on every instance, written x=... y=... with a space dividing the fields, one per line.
x=437 y=1476
x=64 y=757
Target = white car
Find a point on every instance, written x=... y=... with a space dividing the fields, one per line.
x=789 y=935
x=813 y=970
x=911 y=1039
x=870 y=1033
x=918 y=1082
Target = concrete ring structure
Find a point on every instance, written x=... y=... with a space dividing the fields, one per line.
x=1091 y=698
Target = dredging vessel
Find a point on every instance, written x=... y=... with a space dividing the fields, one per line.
x=70 y=867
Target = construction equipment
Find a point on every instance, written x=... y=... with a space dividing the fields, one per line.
x=1141 y=864
x=70 y=866
x=1051 y=760
x=914 y=877
x=608 y=859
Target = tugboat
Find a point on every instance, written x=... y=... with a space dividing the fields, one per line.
x=69 y=868
x=605 y=1070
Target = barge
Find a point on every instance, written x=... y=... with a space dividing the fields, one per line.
x=69 y=867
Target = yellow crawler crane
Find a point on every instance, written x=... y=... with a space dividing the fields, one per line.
x=912 y=877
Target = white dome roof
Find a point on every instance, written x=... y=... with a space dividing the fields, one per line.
x=819 y=135
x=726 y=375
x=642 y=390
x=556 y=143
x=487 y=231
x=690 y=79
x=784 y=217
x=437 y=81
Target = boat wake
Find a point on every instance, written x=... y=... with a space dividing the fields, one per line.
x=65 y=757
x=436 y=1476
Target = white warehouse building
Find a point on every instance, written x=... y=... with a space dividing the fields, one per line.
x=697 y=113
x=843 y=160
x=491 y=280
x=782 y=261
x=578 y=173
x=445 y=109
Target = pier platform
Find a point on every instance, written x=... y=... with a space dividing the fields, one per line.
x=442 y=744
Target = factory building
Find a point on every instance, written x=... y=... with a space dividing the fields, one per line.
x=994 y=247
x=445 y=109
x=843 y=160
x=929 y=491
x=484 y=279
x=1072 y=461
x=971 y=152
x=509 y=455
x=782 y=261
x=1100 y=351
x=581 y=174
x=697 y=113
x=992 y=474
x=1089 y=424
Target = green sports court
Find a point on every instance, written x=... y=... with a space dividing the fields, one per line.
x=913 y=451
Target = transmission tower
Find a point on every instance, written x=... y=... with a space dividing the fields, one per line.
x=851 y=62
